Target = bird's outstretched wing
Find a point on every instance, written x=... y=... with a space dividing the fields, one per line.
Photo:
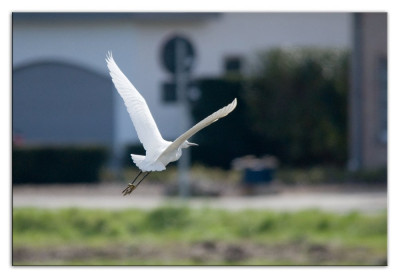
x=200 y=125
x=136 y=105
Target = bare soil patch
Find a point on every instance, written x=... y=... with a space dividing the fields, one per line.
x=201 y=253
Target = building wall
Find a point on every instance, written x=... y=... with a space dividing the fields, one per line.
x=374 y=94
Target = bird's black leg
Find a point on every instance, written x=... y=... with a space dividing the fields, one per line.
x=132 y=186
x=136 y=177
x=143 y=178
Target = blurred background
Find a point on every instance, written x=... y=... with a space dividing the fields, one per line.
x=295 y=175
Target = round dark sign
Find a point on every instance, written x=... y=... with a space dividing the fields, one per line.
x=177 y=45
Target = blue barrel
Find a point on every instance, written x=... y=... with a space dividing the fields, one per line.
x=253 y=177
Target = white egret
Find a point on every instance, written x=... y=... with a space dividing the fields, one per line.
x=159 y=152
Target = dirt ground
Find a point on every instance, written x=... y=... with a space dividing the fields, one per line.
x=201 y=253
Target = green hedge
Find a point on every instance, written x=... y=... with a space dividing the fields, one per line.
x=57 y=164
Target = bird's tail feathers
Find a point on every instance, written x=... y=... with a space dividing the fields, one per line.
x=137 y=159
x=143 y=165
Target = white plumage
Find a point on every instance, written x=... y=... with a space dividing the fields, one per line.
x=159 y=152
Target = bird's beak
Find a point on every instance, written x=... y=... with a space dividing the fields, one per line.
x=192 y=144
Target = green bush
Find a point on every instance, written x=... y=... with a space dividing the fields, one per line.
x=57 y=164
x=298 y=105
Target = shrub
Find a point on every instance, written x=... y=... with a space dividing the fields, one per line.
x=298 y=103
x=57 y=164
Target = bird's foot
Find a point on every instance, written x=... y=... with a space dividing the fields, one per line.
x=129 y=189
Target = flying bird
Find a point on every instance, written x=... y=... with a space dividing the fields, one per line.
x=159 y=152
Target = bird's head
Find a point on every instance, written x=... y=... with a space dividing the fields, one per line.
x=188 y=144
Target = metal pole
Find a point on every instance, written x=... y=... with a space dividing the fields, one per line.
x=181 y=88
